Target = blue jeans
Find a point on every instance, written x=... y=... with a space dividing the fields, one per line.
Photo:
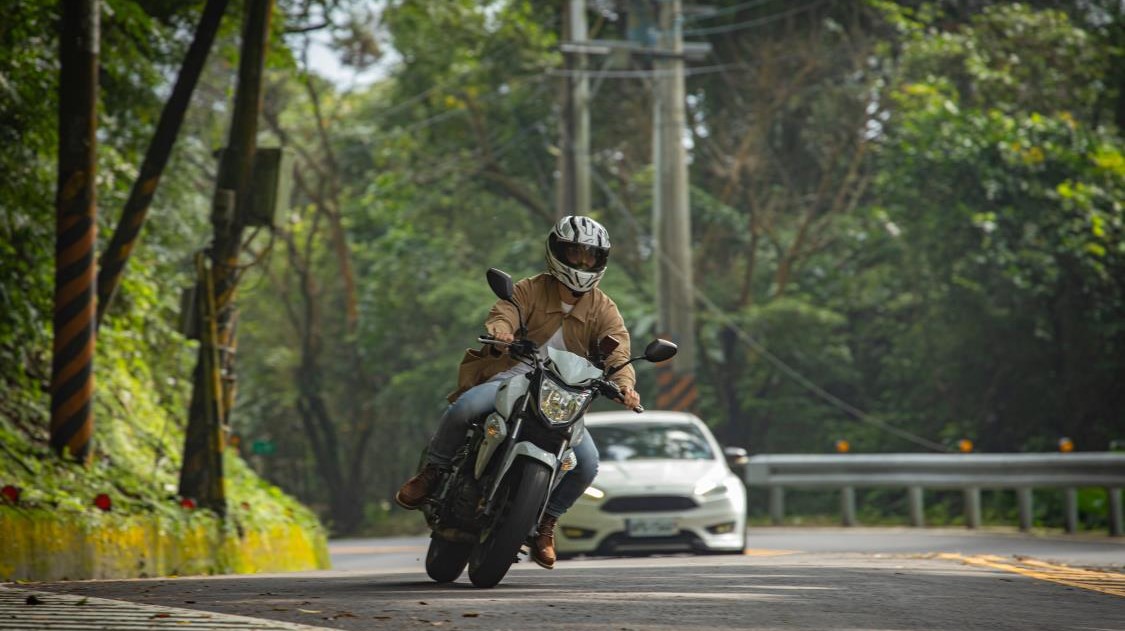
x=480 y=400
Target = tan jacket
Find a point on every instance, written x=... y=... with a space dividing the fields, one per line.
x=594 y=316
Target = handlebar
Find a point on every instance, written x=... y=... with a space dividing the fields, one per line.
x=609 y=388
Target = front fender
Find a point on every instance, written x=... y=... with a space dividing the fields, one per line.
x=522 y=449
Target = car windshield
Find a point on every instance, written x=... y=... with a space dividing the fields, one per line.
x=650 y=441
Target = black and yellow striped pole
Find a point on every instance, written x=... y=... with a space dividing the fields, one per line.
x=72 y=371
x=675 y=390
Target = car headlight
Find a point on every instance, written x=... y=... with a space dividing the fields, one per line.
x=594 y=492
x=710 y=488
x=560 y=406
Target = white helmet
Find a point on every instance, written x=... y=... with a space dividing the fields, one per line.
x=577 y=252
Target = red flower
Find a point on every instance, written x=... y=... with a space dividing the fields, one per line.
x=103 y=502
x=187 y=503
x=11 y=494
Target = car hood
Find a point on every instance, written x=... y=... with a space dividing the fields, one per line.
x=656 y=476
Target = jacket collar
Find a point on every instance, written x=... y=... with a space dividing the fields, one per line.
x=581 y=309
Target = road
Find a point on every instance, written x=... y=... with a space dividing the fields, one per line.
x=882 y=579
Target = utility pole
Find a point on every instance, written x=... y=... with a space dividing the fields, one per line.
x=671 y=212
x=201 y=476
x=574 y=159
x=116 y=255
x=72 y=370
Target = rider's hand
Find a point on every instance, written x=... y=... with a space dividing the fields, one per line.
x=504 y=336
x=629 y=397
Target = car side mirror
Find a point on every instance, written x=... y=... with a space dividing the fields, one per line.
x=736 y=456
x=501 y=284
x=660 y=350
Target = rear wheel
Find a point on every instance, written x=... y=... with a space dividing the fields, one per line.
x=524 y=489
x=445 y=560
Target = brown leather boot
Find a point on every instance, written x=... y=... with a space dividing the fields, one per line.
x=543 y=550
x=418 y=488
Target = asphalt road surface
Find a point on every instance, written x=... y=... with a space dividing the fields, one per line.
x=871 y=579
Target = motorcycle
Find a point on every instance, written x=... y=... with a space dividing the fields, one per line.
x=494 y=496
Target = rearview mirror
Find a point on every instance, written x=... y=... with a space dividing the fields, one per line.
x=660 y=350
x=501 y=284
x=736 y=456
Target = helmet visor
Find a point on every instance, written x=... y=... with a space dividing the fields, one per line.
x=579 y=256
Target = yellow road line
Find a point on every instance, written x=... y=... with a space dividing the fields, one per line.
x=767 y=552
x=1105 y=582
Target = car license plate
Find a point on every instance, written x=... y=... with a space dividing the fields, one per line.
x=652 y=527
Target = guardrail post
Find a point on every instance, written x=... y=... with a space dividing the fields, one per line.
x=777 y=505
x=972 y=507
x=1024 y=498
x=847 y=505
x=1116 y=525
x=1071 y=510
x=917 y=507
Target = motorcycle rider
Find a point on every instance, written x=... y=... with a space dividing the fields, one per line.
x=564 y=309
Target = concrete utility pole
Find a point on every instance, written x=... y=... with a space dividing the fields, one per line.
x=76 y=211
x=201 y=476
x=574 y=160
x=672 y=214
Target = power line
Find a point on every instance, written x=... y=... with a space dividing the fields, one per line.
x=761 y=349
x=640 y=74
x=730 y=28
x=727 y=10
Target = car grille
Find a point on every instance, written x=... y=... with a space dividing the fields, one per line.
x=620 y=543
x=648 y=504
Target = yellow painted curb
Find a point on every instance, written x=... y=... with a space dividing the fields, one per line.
x=1094 y=580
x=43 y=546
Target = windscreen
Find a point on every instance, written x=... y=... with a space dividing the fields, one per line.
x=644 y=441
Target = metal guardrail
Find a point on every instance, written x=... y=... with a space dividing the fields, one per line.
x=967 y=472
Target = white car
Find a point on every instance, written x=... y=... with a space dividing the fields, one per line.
x=663 y=485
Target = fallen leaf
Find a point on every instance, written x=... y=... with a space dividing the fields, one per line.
x=282 y=609
x=190 y=602
x=470 y=614
x=33 y=600
x=309 y=610
x=161 y=615
x=82 y=602
x=422 y=602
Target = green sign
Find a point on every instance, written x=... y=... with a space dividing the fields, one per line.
x=262 y=447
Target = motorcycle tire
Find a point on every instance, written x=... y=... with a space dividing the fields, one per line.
x=445 y=560
x=525 y=489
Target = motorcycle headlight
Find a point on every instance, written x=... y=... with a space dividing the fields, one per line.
x=560 y=406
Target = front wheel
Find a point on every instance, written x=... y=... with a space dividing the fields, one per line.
x=445 y=560
x=525 y=488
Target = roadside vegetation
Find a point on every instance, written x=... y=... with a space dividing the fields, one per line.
x=914 y=207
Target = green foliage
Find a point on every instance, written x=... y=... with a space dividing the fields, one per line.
x=914 y=206
x=143 y=365
x=1013 y=220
